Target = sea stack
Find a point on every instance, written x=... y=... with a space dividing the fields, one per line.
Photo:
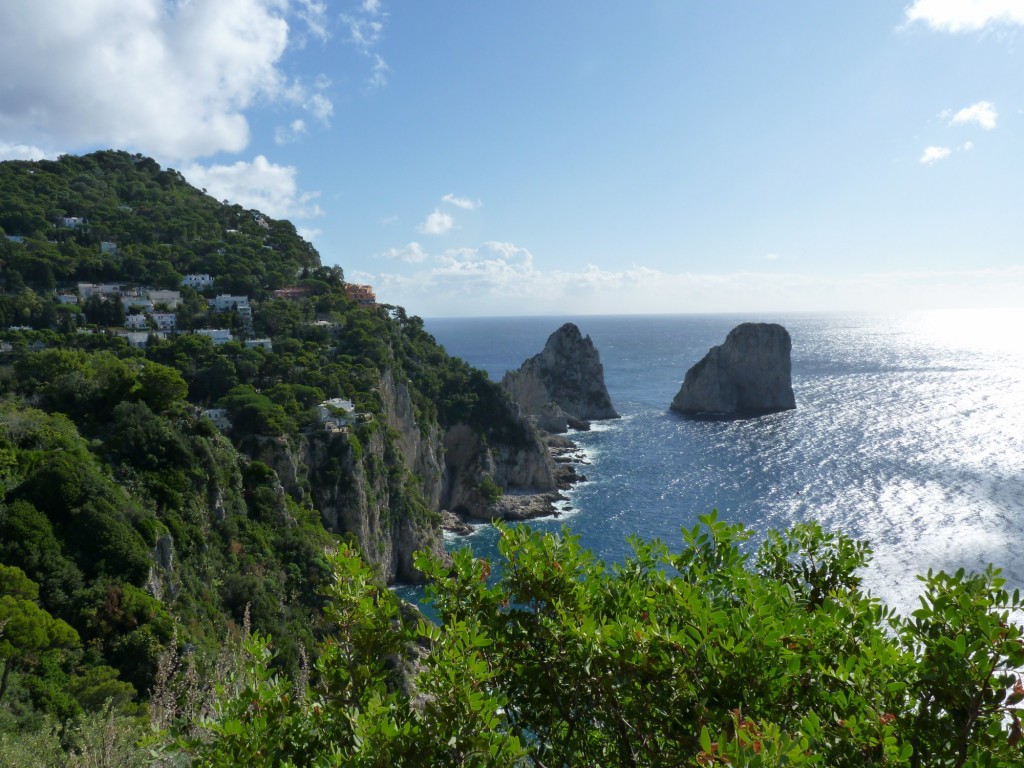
x=748 y=375
x=563 y=386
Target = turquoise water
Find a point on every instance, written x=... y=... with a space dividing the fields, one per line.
x=909 y=432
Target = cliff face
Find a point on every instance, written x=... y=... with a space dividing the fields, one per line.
x=363 y=489
x=749 y=374
x=422 y=449
x=385 y=482
x=469 y=460
x=563 y=386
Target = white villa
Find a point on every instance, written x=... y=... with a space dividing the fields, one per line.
x=166 y=321
x=171 y=298
x=336 y=413
x=137 y=301
x=197 y=281
x=216 y=335
x=139 y=339
x=219 y=417
x=136 y=322
x=86 y=290
x=226 y=303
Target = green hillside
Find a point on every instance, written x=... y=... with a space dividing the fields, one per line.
x=138 y=524
x=163 y=228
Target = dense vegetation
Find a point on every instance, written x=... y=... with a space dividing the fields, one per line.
x=163 y=228
x=706 y=656
x=167 y=597
x=129 y=525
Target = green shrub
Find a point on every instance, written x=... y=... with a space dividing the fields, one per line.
x=490 y=490
x=704 y=657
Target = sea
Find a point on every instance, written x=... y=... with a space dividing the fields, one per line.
x=908 y=433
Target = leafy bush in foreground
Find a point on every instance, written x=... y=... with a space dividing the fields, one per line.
x=703 y=657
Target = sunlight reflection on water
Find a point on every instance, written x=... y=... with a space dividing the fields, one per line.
x=909 y=431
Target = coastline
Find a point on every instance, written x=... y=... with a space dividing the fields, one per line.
x=519 y=506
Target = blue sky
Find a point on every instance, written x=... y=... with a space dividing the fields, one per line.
x=570 y=157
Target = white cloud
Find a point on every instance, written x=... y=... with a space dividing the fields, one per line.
x=462 y=202
x=965 y=15
x=968 y=146
x=320 y=106
x=170 y=79
x=934 y=154
x=983 y=113
x=770 y=257
x=24 y=152
x=412 y=253
x=314 y=13
x=505 y=279
x=260 y=184
x=379 y=75
x=436 y=223
x=365 y=31
x=291 y=133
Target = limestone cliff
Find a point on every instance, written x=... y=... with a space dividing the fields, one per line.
x=422 y=449
x=749 y=374
x=562 y=386
x=384 y=482
x=362 y=488
x=470 y=460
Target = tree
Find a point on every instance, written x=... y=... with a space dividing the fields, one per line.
x=25 y=628
x=159 y=386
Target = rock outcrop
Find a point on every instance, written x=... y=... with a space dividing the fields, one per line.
x=748 y=375
x=470 y=459
x=563 y=386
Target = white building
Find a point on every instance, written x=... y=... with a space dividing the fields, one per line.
x=171 y=298
x=336 y=413
x=134 y=302
x=70 y=222
x=259 y=344
x=166 y=321
x=139 y=339
x=136 y=322
x=219 y=417
x=86 y=290
x=226 y=303
x=198 y=282
x=108 y=246
x=67 y=298
x=216 y=335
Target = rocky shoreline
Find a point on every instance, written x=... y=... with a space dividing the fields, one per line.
x=515 y=507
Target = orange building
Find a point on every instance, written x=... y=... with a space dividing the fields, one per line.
x=362 y=294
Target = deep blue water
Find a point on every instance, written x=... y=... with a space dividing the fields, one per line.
x=908 y=432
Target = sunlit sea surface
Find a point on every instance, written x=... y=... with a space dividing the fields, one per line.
x=908 y=432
